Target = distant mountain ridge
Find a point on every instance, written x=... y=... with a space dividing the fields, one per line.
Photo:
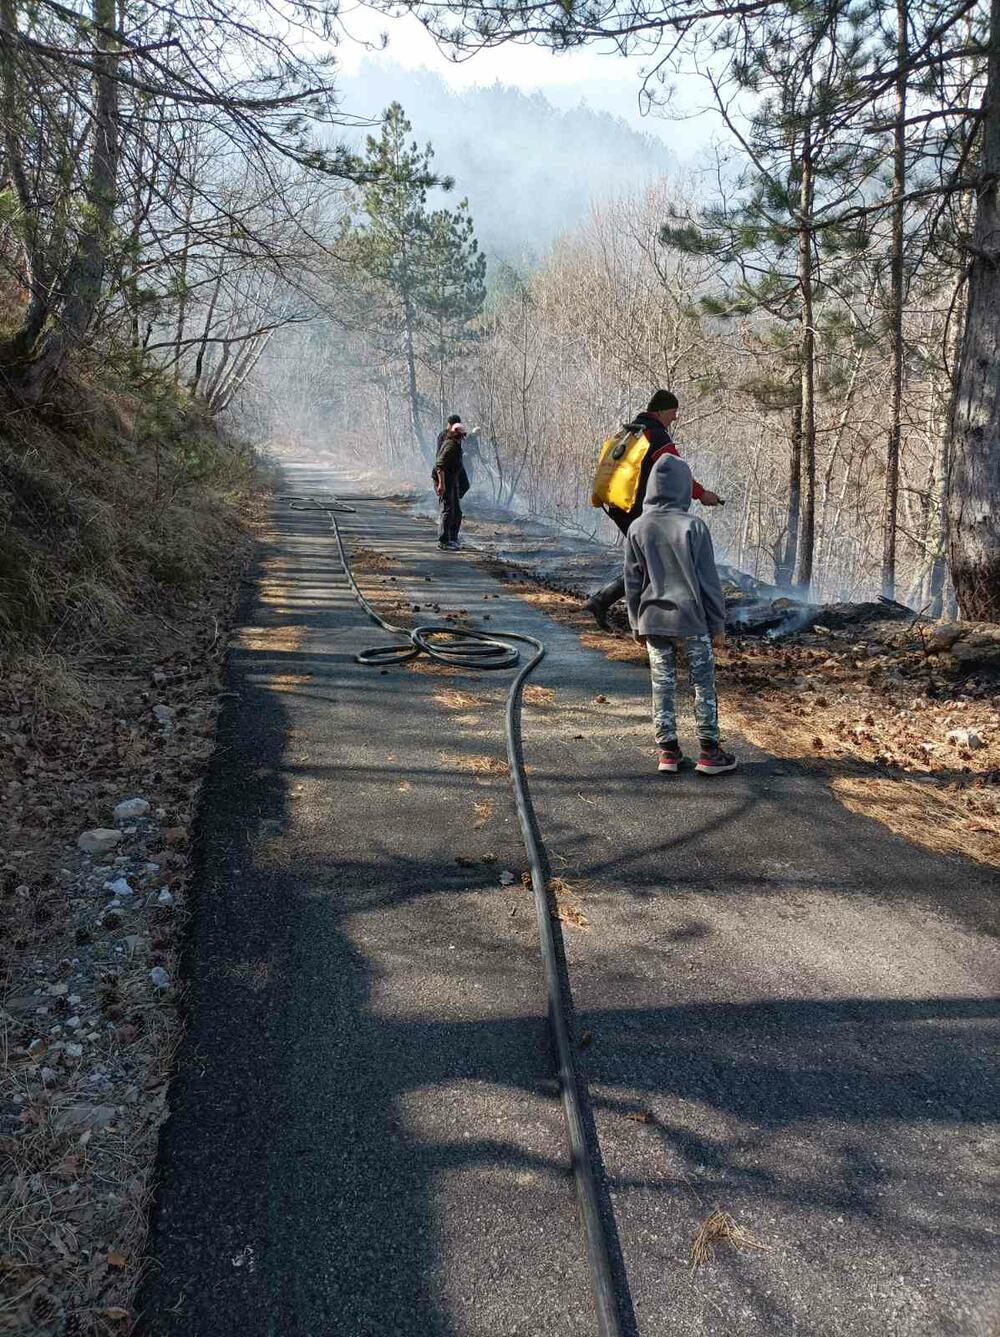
x=530 y=170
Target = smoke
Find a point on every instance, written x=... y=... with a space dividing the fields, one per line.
x=530 y=171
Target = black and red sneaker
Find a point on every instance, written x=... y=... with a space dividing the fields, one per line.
x=713 y=760
x=671 y=757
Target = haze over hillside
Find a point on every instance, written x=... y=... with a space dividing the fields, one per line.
x=530 y=170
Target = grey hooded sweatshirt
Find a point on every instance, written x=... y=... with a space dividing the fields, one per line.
x=671 y=583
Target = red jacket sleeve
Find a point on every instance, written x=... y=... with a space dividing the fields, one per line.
x=697 y=491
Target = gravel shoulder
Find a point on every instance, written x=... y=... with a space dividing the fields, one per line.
x=101 y=762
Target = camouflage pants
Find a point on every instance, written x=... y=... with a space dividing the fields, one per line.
x=662 y=651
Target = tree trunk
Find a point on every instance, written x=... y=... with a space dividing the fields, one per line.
x=199 y=363
x=807 y=528
x=84 y=281
x=413 y=393
x=974 y=465
x=182 y=299
x=18 y=348
x=891 y=505
x=785 y=568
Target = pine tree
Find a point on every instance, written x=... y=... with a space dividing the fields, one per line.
x=785 y=243
x=426 y=264
x=453 y=292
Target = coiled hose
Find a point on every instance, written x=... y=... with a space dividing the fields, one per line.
x=477 y=652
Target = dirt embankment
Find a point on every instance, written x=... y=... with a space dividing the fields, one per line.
x=124 y=524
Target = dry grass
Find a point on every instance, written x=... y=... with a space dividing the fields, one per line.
x=721 y=1228
x=621 y=649
x=256 y=975
x=56 y=686
x=484 y=812
x=431 y=668
x=568 y=911
x=542 y=697
x=964 y=821
x=272 y=640
x=112 y=511
x=479 y=765
x=453 y=699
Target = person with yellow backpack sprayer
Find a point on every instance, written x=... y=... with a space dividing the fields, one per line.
x=622 y=474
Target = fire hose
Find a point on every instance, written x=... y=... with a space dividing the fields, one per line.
x=477 y=652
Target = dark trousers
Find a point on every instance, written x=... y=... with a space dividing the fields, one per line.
x=450 y=507
x=615 y=589
x=610 y=593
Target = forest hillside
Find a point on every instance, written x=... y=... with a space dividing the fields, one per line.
x=530 y=170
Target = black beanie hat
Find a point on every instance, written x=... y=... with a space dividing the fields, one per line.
x=455 y=417
x=661 y=401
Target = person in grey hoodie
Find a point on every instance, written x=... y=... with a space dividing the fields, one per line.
x=674 y=598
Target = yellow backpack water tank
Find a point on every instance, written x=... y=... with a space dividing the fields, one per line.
x=619 y=468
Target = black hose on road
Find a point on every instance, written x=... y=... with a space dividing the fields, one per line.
x=476 y=652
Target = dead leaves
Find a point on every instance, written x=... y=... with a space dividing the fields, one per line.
x=369 y=561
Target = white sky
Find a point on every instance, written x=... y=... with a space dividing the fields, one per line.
x=605 y=80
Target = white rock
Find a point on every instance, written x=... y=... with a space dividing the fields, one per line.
x=506 y=878
x=87 y=1117
x=160 y=978
x=130 y=808
x=58 y=990
x=74 y=1051
x=49 y=1076
x=967 y=738
x=119 y=887
x=101 y=840
x=73 y=1023
x=164 y=717
x=165 y=897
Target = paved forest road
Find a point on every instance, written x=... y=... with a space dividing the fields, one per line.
x=800 y=1008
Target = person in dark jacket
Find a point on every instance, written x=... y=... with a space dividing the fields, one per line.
x=660 y=413
x=453 y=421
x=675 y=599
x=450 y=484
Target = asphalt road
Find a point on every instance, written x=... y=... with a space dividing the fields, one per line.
x=787 y=1012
